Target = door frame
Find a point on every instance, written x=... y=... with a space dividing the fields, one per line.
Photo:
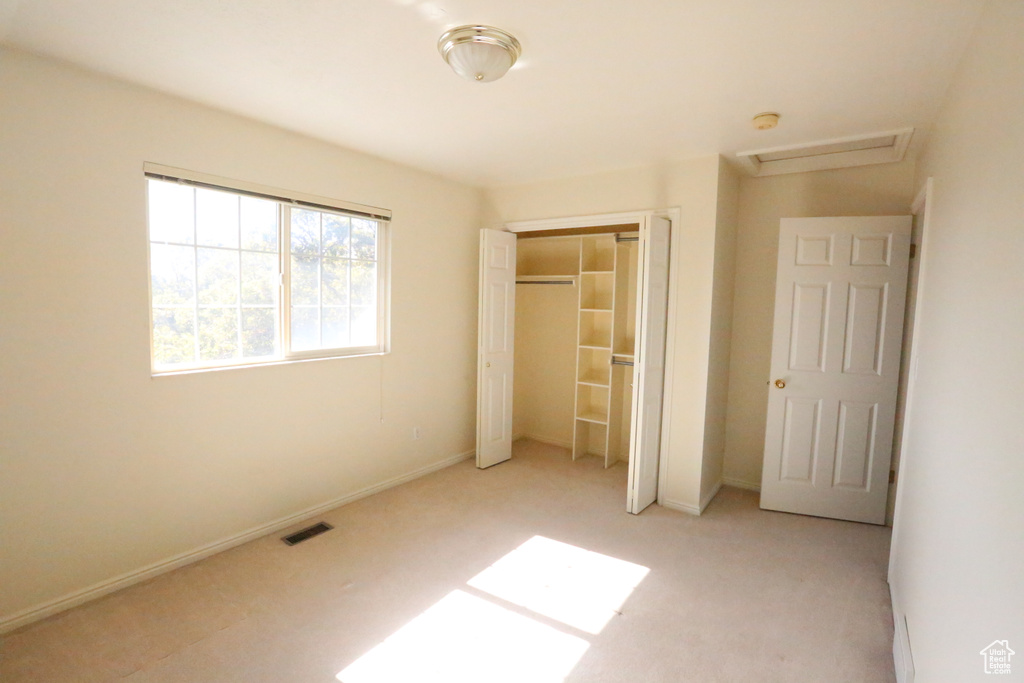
x=921 y=207
x=674 y=216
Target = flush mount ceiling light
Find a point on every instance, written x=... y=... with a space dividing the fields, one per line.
x=479 y=53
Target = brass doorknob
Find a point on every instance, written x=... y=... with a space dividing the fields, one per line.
x=488 y=365
x=781 y=384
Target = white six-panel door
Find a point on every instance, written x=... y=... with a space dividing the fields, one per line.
x=839 y=299
x=496 y=342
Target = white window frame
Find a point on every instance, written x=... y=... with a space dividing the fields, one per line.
x=287 y=200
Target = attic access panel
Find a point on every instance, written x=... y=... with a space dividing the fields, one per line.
x=860 y=150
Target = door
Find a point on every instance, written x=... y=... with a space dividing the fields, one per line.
x=839 y=300
x=495 y=340
x=649 y=364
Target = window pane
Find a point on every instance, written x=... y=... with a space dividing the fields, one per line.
x=335 y=280
x=174 y=340
x=218 y=333
x=364 y=283
x=305 y=231
x=217 y=276
x=335 y=330
x=364 y=326
x=216 y=218
x=259 y=279
x=335 y=235
x=259 y=224
x=305 y=280
x=173 y=272
x=259 y=332
x=305 y=328
x=171 y=212
x=364 y=239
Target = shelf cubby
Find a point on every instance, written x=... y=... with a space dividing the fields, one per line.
x=592 y=403
x=590 y=438
x=597 y=253
x=593 y=366
x=597 y=291
x=596 y=329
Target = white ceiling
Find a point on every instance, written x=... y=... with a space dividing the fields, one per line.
x=602 y=84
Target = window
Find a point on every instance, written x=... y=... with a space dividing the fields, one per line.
x=242 y=274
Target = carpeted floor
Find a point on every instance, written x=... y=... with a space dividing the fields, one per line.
x=403 y=589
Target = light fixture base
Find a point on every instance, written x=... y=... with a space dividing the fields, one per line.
x=479 y=53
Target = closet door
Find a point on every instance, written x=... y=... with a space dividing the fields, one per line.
x=649 y=367
x=495 y=341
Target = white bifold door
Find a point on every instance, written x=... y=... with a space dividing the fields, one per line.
x=496 y=347
x=839 y=300
x=649 y=364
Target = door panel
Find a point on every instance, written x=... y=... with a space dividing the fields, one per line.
x=496 y=347
x=840 y=293
x=810 y=323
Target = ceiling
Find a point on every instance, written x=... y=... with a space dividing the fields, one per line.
x=601 y=85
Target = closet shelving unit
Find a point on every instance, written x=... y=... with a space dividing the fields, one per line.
x=603 y=334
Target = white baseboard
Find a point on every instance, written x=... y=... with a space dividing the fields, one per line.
x=689 y=509
x=706 y=500
x=46 y=609
x=681 y=507
x=902 y=657
x=741 y=484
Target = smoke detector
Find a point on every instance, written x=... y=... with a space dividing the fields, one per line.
x=766 y=120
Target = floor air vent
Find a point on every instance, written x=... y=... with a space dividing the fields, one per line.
x=309 y=532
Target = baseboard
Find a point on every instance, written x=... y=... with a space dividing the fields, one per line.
x=544 y=439
x=46 y=609
x=741 y=484
x=902 y=657
x=681 y=507
x=706 y=500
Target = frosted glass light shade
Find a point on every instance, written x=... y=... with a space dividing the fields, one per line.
x=479 y=53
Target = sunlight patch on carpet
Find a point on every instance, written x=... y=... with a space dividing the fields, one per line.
x=465 y=639
x=577 y=587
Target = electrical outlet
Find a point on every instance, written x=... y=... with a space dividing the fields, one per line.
x=416 y=432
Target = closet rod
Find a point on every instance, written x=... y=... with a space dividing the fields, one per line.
x=620 y=238
x=616 y=361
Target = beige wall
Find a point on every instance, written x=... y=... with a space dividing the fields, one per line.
x=693 y=187
x=545 y=362
x=862 y=191
x=721 y=333
x=105 y=470
x=958 y=539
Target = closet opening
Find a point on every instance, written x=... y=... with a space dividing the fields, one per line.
x=572 y=341
x=575 y=338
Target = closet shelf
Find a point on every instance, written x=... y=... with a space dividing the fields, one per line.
x=592 y=346
x=596 y=418
x=595 y=382
x=546 y=279
x=597 y=272
x=595 y=310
